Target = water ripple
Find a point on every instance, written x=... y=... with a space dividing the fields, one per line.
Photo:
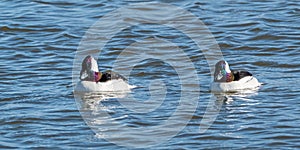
x=39 y=39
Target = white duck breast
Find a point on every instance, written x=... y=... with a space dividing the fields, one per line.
x=226 y=80
x=91 y=80
x=118 y=85
x=245 y=83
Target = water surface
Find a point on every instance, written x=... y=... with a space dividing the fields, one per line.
x=39 y=40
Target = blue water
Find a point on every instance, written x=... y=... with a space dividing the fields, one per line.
x=40 y=39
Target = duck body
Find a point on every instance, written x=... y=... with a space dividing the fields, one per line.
x=117 y=85
x=245 y=83
x=91 y=80
x=226 y=80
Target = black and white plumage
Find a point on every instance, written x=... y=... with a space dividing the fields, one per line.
x=239 y=74
x=110 y=75
x=90 y=72
x=226 y=80
x=91 y=80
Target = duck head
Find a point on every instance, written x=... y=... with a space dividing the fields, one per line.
x=89 y=70
x=223 y=72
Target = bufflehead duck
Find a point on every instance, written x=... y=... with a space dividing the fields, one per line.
x=226 y=80
x=91 y=80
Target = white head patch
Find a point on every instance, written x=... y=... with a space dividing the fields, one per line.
x=220 y=76
x=94 y=64
x=227 y=69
